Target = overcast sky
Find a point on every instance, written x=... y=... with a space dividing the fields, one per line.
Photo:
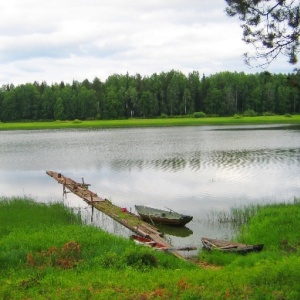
x=65 y=40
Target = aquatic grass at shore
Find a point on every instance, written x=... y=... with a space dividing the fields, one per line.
x=236 y=216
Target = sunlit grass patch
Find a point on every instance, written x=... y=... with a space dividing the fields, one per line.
x=156 y=122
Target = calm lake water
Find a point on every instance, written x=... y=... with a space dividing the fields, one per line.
x=199 y=171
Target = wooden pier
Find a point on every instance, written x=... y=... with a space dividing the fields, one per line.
x=121 y=215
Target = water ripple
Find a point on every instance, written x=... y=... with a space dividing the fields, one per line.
x=229 y=160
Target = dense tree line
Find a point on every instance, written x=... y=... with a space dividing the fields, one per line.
x=164 y=94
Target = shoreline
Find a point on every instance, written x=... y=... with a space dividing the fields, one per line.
x=163 y=122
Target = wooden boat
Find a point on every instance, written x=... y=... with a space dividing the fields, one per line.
x=158 y=246
x=153 y=215
x=227 y=246
x=148 y=242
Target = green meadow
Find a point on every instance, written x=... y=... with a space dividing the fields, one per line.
x=159 y=122
x=47 y=253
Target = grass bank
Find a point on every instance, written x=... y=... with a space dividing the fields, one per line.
x=47 y=253
x=295 y=119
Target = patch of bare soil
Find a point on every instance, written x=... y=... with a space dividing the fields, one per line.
x=204 y=264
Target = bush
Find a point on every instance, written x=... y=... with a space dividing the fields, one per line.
x=199 y=114
x=140 y=258
x=237 y=116
x=250 y=113
x=110 y=260
x=164 y=116
x=137 y=258
x=268 y=113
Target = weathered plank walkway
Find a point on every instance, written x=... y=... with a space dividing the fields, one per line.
x=127 y=219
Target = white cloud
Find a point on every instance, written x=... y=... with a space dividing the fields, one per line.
x=63 y=40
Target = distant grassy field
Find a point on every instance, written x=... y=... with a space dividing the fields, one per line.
x=47 y=253
x=295 y=119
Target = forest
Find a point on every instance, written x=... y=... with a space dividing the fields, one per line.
x=168 y=94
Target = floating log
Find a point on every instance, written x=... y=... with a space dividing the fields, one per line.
x=122 y=216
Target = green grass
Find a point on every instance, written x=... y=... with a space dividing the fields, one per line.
x=274 y=225
x=103 y=266
x=295 y=119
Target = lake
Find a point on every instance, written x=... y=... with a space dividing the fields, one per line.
x=199 y=171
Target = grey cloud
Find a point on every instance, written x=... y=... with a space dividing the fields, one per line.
x=80 y=37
